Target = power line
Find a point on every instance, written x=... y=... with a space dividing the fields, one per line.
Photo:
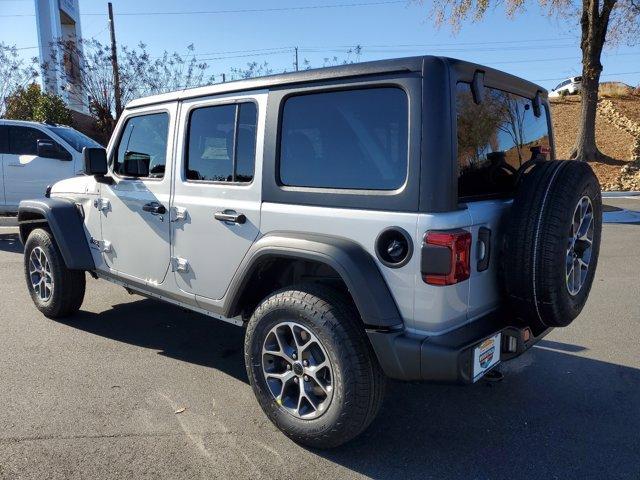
x=287 y=51
x=560 y=58
x=529 y=40
x=244 y=10
x=602 y=75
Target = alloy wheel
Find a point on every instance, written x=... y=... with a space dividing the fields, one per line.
x=579 y=245
x=40 y=274
x=297 y=370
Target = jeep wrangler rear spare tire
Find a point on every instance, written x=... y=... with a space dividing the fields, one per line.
x=311 y=366
x=552 y=243
x=55 y=290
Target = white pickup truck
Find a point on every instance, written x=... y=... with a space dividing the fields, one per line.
x=34 y=155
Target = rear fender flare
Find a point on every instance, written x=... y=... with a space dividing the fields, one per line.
x=351 y=261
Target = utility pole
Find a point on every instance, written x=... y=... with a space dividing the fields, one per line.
x=295 y=62
x=114 y=64
x=224 y=78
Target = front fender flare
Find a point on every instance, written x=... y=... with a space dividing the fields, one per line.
x=350 y=260
x=64 y=221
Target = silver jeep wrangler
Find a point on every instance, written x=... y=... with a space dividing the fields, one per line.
x=403 y=218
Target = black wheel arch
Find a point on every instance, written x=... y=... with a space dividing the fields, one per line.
x=63 y=220
x=354 y=265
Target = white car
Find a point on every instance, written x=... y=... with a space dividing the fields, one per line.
x=34 y=155
x=570 y=86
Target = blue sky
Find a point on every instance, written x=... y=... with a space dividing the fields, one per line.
x=532 y=45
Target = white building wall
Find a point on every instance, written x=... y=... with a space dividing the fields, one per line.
x=60 y=20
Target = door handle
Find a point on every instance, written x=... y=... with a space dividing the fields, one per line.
x=230 y=216
x=154 y=208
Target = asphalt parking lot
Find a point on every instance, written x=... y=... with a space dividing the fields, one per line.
x=94 y=396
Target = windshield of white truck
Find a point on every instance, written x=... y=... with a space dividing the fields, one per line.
x=74 y=138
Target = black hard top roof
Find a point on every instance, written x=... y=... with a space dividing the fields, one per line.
x=378 y=67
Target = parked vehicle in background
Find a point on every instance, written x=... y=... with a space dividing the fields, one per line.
x=570 y=86
x=404 y=218
x=35 y=155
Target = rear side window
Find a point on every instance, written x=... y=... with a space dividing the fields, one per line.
x=352 y=139
x=495 y=138
x=222 y=143
x=145 y=135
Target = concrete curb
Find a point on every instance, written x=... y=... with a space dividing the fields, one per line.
x=621 y=216
x=619 y=194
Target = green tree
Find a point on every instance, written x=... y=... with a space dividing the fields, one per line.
x=599 y=20
x=31 y=103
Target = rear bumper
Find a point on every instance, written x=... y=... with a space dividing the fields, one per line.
x=447 y=358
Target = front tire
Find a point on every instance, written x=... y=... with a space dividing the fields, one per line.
x=55 y=290
x=311 y=367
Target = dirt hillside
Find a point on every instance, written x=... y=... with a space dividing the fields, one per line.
x=615 y=142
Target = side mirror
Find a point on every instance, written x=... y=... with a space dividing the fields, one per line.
x=95 y=161
x=50 y=149
x=477 y=87
x=136 y=164
x=537 y=105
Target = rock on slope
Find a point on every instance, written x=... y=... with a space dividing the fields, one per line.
x=612 y=140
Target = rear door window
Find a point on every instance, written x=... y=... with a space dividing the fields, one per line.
x=351 y=139
x=222 y=143
x=495 y=138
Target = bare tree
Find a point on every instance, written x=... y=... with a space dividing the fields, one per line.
x=15 y=73
x=252 y=69
x=617 y=19
x=147 y=75
x=88 y=62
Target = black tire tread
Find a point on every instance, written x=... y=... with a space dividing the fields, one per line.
x=536 y=238
x=69 y=288
x=364 y=377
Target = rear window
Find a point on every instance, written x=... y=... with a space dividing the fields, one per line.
x=495 y=138
x=353 y=139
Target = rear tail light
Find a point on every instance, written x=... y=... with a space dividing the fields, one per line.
x=446 y=257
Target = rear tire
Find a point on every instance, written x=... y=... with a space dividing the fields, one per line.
x=542 y=245
x=55 y=290
x=325 y=324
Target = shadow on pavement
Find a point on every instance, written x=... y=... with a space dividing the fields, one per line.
x=10 y=242
x=555 y=414
x=175 y=332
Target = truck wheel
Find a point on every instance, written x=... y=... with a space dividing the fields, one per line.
x=55 y=290
x=311 y=366
x=552 y=243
